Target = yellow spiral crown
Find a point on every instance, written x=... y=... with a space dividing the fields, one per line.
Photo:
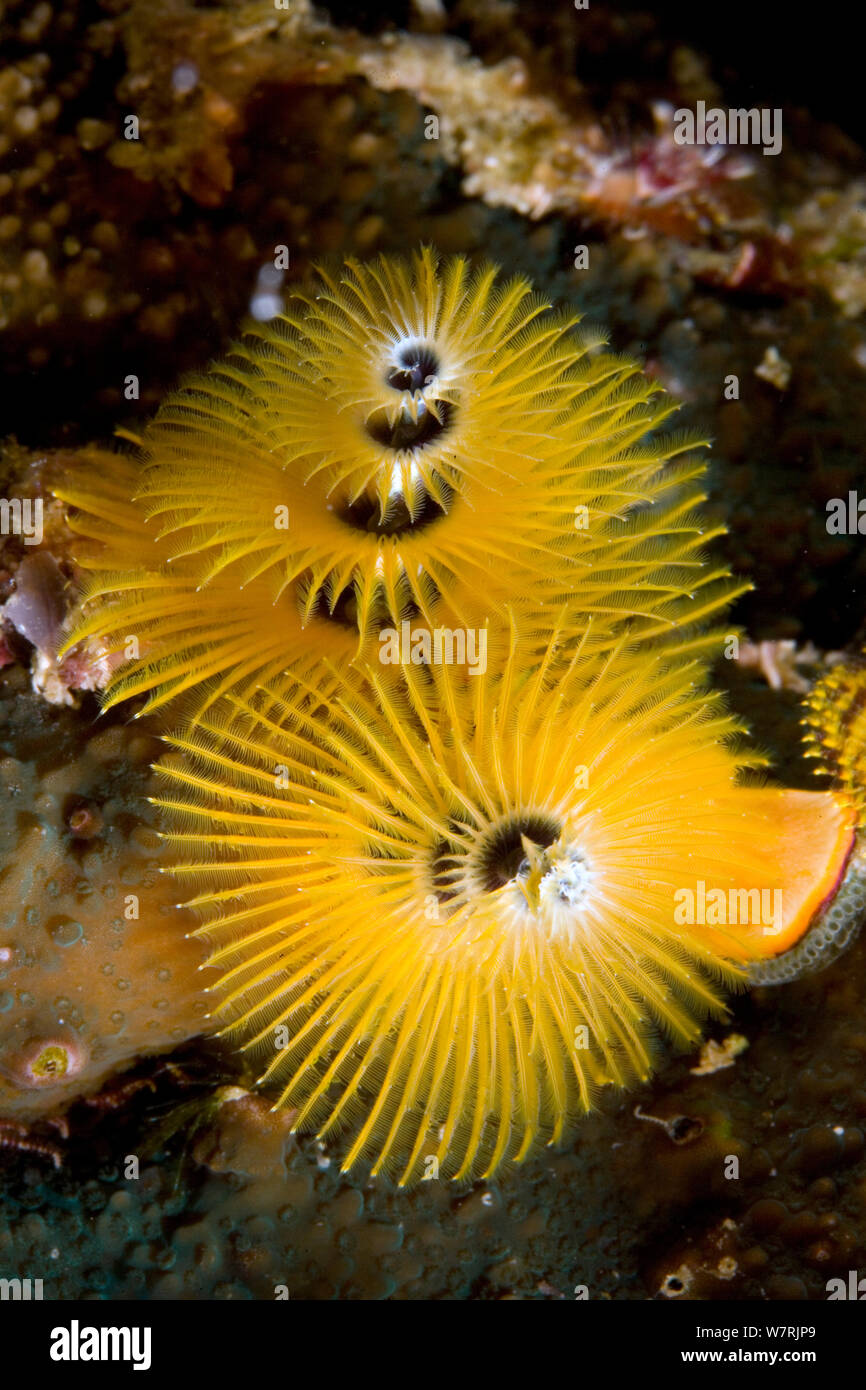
x=408 y=439
x=449 y=895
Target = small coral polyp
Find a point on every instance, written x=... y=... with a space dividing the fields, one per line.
x=45 y=1062
x=449 y=920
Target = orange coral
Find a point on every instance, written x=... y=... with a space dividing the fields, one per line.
x=95 y=969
